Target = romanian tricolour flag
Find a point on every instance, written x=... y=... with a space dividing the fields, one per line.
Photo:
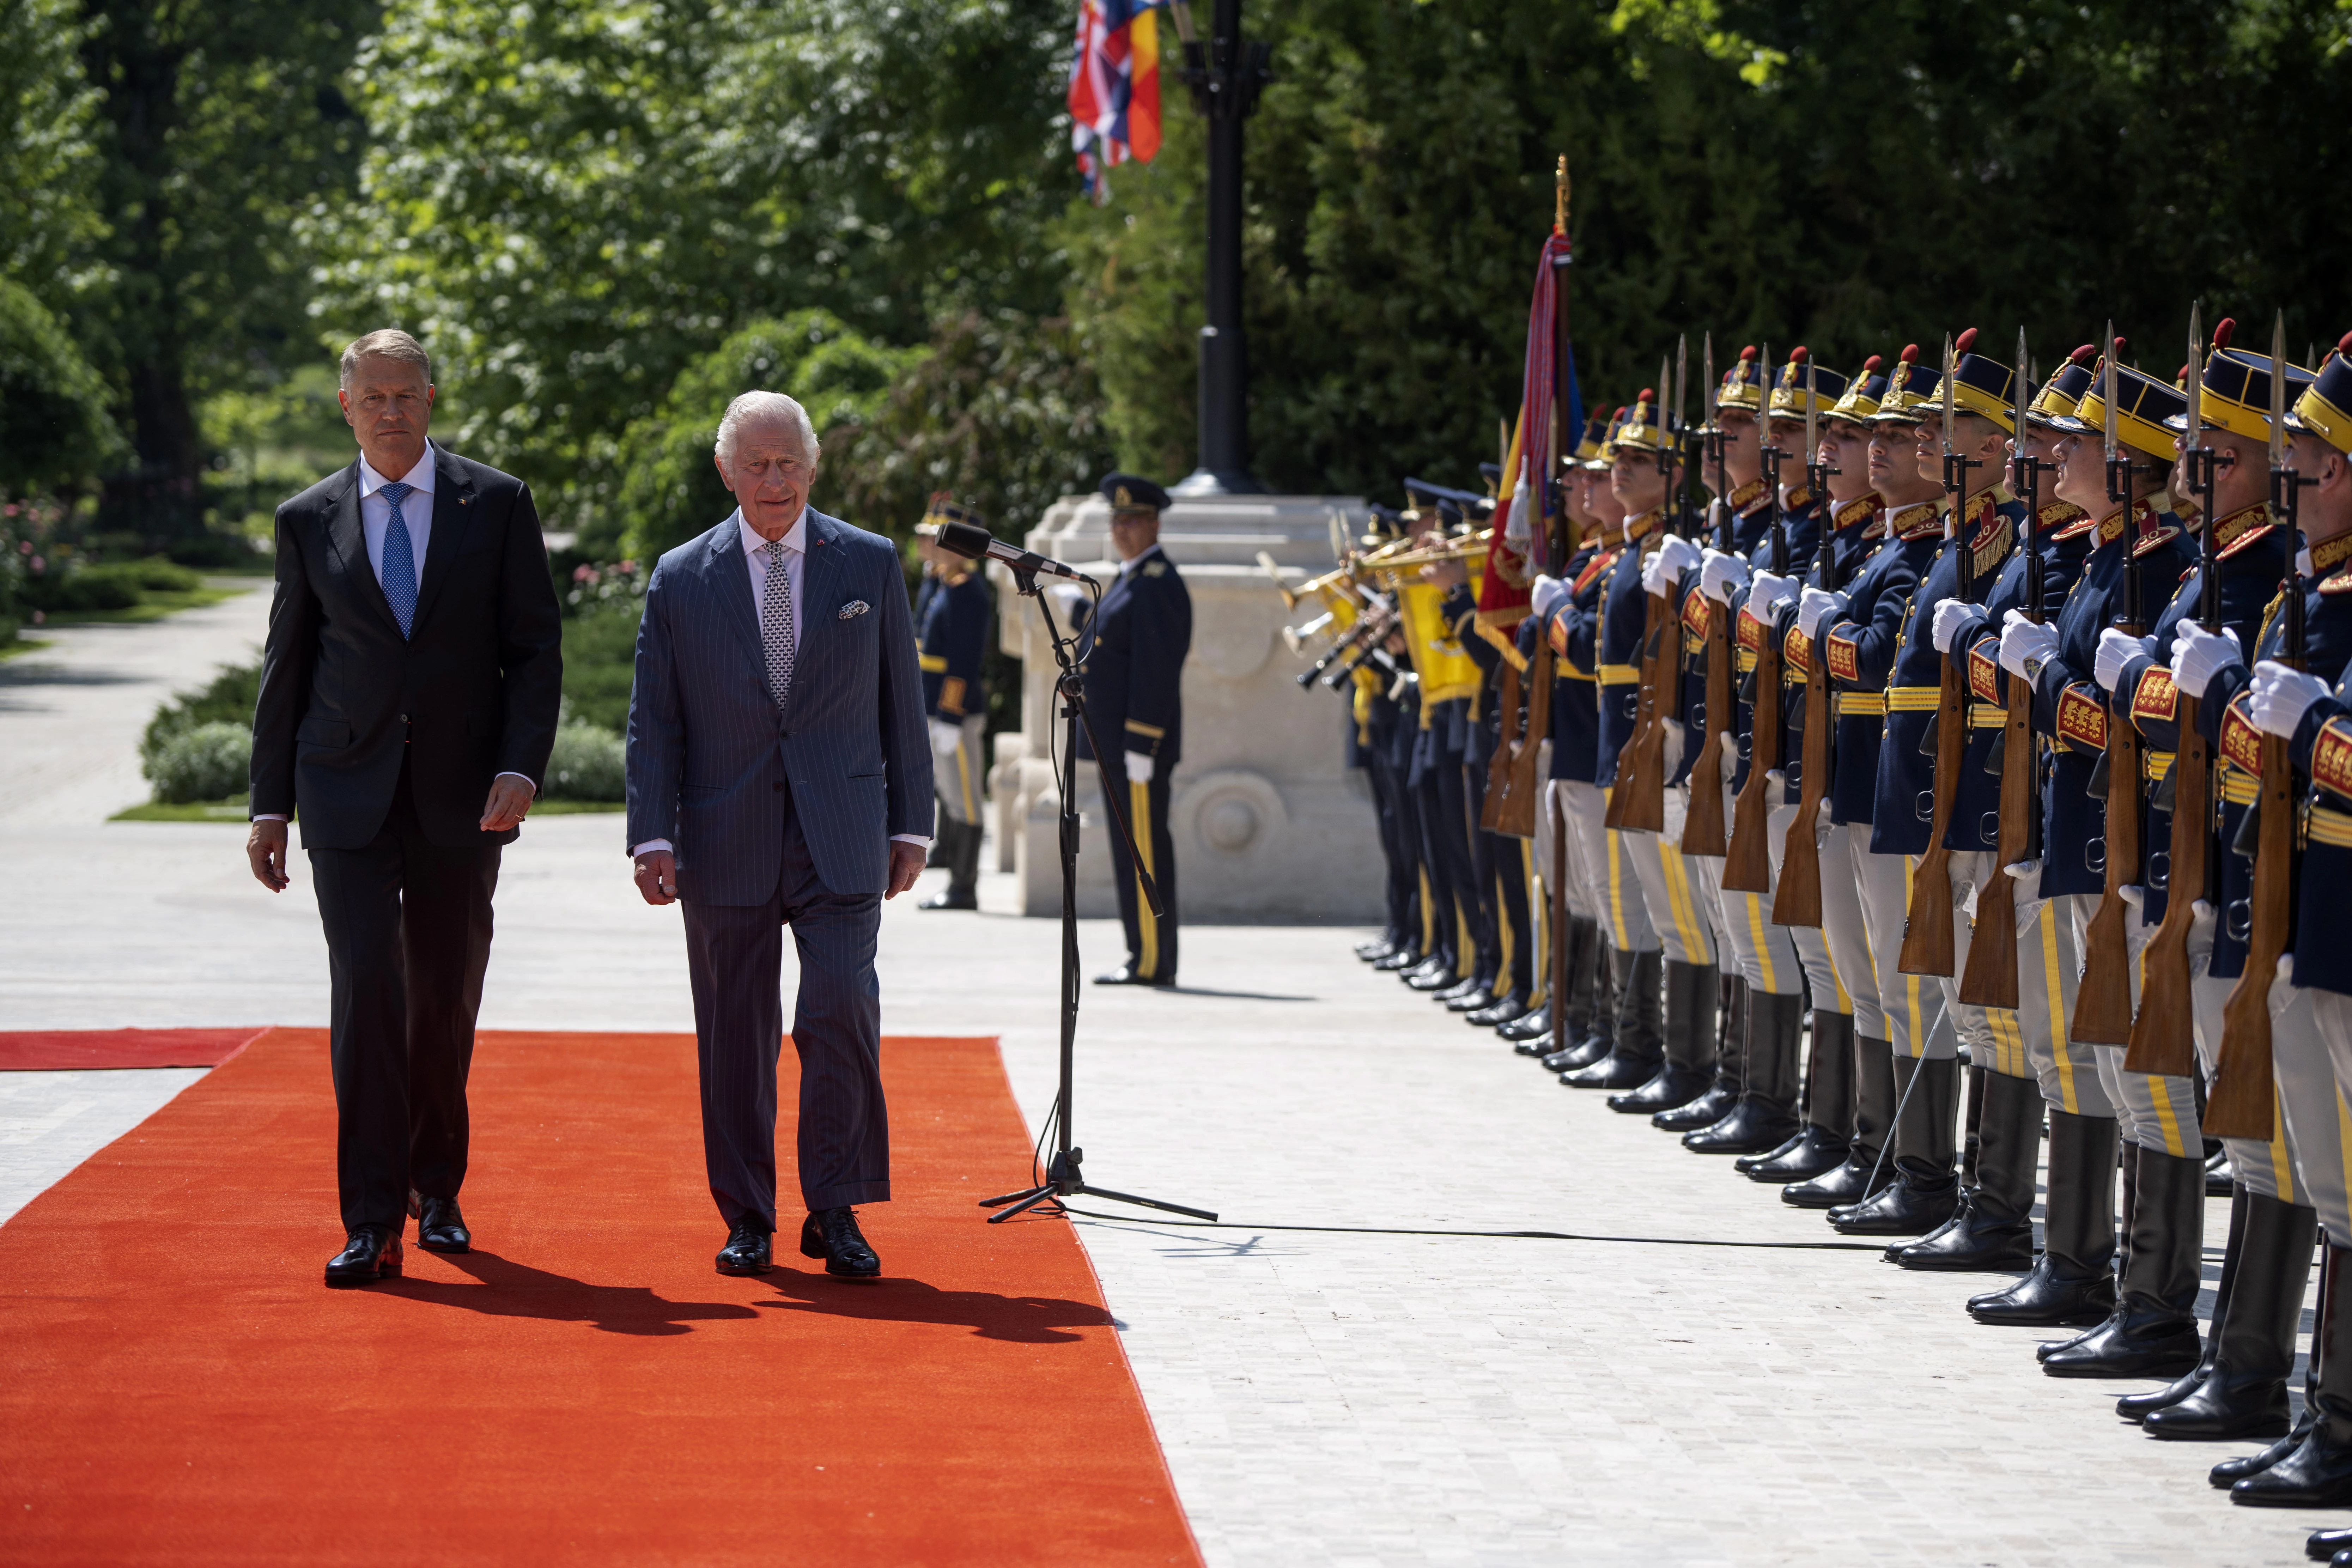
x=1114 y=87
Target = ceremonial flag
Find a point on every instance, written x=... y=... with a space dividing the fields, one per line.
x=1114 y=88
x=1534 y=461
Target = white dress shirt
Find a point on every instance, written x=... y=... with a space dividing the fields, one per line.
x=375 y=519
x=756 y=552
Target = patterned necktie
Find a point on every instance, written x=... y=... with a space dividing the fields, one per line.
x=399 y=559
x=776 y=624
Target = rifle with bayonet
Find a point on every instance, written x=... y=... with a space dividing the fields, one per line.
x=1703 y=826
x=1512 y=784
x=1748 y=864
x=2162 y=1041
x=1798 y=902
x=1928 y=932
x=1990 y=977
x=1643 y=790
x=2243 y=1098
x=2103 y=1004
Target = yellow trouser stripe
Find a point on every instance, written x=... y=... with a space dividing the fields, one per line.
x=1428 y=914
x=1465 y=946
x=1678 y=899
x=2167 y=1118
x=1911 y=982
x=963 y=780
x=2008 y=1042
x=2282 y=1168
x=1617 y=892
x=1538 y=926
x=2053 y=987
x=1139 y=817
x=1503 y=935
x=1756 y=931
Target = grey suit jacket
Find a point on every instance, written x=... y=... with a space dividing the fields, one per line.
x=710 y=756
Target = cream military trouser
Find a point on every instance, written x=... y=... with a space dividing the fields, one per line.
x=1578 y=888
x=1671 y=890
x=957 y=772
x=1764 y=952
x=1826 y=968
x=2267 y=1166
x=2030 y=1040
x=1608 y=870
x=1911 y=1004
x=2156 y=1113
x=2311 y=1036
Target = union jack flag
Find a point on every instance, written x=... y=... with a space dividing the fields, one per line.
x=1114 y=88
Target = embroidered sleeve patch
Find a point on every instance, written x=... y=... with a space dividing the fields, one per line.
x=1797 y=649
x=1557 y=635
x=1699 y=615
x=2241 y=743
x=1751 y=633
x=2331 y=757
x=2156 y=698
x=1984 y=671
x=1845 y=660
x=2081 y=719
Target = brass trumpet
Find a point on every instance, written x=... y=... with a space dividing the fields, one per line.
x=1290 y=595
x=1296 y=636
x=1470 y=548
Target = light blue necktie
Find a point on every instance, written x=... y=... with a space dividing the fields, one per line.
x=399 y=559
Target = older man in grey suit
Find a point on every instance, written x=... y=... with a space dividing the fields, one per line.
x=779 y=774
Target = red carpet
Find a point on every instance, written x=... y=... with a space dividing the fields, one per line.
x=176 y=1386
x=45 y=1049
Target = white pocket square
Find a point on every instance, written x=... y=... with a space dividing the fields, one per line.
x=854 y=607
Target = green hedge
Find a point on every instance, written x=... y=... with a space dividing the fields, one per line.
x=210 y=762
x=117 y=586
x=228 y=699
x=587 y=764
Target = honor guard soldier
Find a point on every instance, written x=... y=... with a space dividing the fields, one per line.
x=1860 y=626
x=2133 y=543
x=2313 y=1467
x=951 y=615
x=1134 y=666
x=2153 y=1329
x=1992 y=1229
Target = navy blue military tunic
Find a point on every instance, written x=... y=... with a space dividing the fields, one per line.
x=1134 y=668
x=1619 y=624
x=2322 y=750
x=1861 y=641
x=952 y=633
x=1750 y=506
x=1800 y=534
x=1852 y=535
x=1575 y=691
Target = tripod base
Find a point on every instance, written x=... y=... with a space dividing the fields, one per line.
x=1065 y=1181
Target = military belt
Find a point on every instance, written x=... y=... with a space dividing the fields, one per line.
x=2154 y=765
x=1860 y=704
x=2328 y=827
x=1620 y=674
x=1913 y=698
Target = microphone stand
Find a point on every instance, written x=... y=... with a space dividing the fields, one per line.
x=1064 y=1179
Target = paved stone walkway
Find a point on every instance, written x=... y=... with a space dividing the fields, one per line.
x=1698 y=1380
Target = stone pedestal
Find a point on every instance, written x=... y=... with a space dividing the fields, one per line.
x=1269 y=823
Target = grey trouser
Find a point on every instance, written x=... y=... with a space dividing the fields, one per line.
x=2029 y=1040
x=2156 y=1113
x=1836 y=948
x=1911 y=1006
x=1671 y=891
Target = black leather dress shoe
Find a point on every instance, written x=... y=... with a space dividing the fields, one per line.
x=1531 y=1031
x=2138 y=1339
x=1814 y=1151
x=1477 y=998
x=1708 y=1110
x=368 y=1254
x=1902 y=1207
x=1450 y=995
x=1124 y=974
x=1751 y=1127
x=1674 y=1086
x=1373 y=951
x=746 y=1251
x=951 y=901
x=2231 y=1471
x=1510 y=1005
x=1402 y=958
x=1848 y=1181
x=441 y=1228
x=2325 y=1544
x=2048 y=1298
x=1432 y=974
x=1973 y=1243
x=832 y=1234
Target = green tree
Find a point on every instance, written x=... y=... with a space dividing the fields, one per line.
x=572 y=201
x=220 y=121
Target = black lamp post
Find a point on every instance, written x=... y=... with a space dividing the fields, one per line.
x=1225 y=75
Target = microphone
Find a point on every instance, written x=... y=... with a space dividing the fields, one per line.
x=975 y=542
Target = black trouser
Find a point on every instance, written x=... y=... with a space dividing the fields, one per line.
x=956 y=846
x=408 y=938
x=1487 y=865
x=1452 y=838
x=1406 y=873
x=1502 y=876
x=1399 y=861
x=1151 y=939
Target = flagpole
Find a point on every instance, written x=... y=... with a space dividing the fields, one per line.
x=1225 y=75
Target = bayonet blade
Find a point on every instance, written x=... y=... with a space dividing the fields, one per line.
x=1947 y=395
x=2194 y=437
x=1707 y=374
x=2108 y=396
x=2017 y=404
x=1812 y=418
x=2278 y=394
x=1682 y=375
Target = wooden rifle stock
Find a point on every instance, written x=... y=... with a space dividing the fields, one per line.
x=2241 y=1101
x=1703 y=824
x=2161 y=1037
x=1645 y=791
x=2103 y=1004
x=1748 y=865
x=1927 y=931
x=1498 y=773
x=1515 y=813
x=1989 y=978
x=1799 y=901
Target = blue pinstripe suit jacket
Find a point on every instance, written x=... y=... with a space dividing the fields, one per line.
x=709 y=753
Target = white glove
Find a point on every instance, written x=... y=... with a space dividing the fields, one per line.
x=2281 y=697
x=2198 y=656
x=2025 y=640
x=1546 y=592
x=1719 y=573
x=1675 y=557
x=945 y=737
x=1766 y=590
x=1139 y=768
x=1951 y=617
x=2117 y=650
x=1815 y=605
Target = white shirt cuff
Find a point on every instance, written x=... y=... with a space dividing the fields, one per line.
x=651 y=845
x=916 y=840
x=534 y=788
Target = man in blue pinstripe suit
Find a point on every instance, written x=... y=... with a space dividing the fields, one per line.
x=778 y=775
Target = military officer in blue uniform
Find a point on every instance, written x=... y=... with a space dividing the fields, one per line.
x=951 y=620
x=1134 y=664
